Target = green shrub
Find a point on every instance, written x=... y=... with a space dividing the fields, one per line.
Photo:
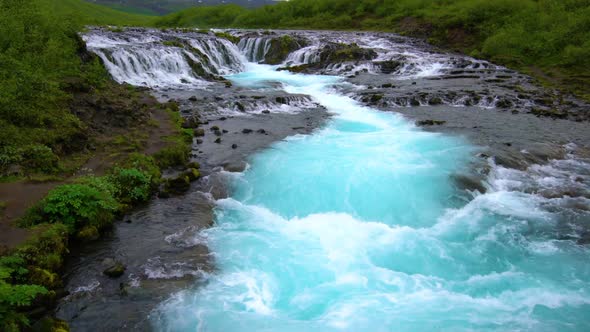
x=174 y=155
x=14 y=295
x=75 y=205
x=39 y=158
x=144 y=163
x=26 y=269
x=132 y=185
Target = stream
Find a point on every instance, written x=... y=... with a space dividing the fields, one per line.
x=344 y=214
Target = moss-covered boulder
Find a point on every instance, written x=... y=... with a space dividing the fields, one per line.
x=281 y=47
x=178 y=185
x=192 y=174
x=338 y=53
x=115 y=270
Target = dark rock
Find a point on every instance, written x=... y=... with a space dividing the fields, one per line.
x=193 y=98
x=504 y=103
x=217 y=133
x=178 y=185
x=199 y=132
x=115 y=271
x=282 y=100
x=414 y=102
x=435 y=101
x=266 y=112
x=218 y=140
x=225 y=131
x=376 y=98
x=247 y=131
x=338 y=53
x=190 y=122
x=470 y=183
x=240 y=106
x=261 y=131
x=199 y=141
x=281 y=47
x=388 y=67
x=234 y=146
x=430 y=122
x=214 y=128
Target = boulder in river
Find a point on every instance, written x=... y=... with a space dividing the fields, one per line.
x=115 y=270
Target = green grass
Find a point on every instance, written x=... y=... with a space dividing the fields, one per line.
x=133 y=10
x=84 y=13
x=43 y=62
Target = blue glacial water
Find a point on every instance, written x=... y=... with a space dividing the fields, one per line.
x=358 y=227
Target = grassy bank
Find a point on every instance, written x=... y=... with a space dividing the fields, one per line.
x=549 y=39
x=60 y=110
x=43 y=63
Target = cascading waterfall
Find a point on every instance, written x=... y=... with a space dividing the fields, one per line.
x=254 y=48
x=306 y=55
x=224 y=58
x=358 y=228
x=150 y=62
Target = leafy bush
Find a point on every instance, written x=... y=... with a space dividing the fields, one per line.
x=14 y=295
x=174 y=155
x=26 y=269
x=76 y=206
x=132 y=185
x=39 y=158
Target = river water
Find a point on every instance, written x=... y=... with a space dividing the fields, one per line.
x=359 y=226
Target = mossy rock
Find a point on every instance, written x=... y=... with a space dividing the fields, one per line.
x=376 y=98
x=88 y=233
x=193 y=164
x=228 y=36
x=178 y=185
x=192 y=174
x=281 y=47
x=296 y=69
x=45 y=278
x=199 y=132
x=173 y=43
x=338 y=53
x=504 y=103
x=50 y=324
x=435 y=101
x=115 y=271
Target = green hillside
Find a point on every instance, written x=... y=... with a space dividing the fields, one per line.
x=84 y=13
x=40 y=68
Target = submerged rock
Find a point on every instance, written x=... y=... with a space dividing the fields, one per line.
x=430 y=122
x=115 y=271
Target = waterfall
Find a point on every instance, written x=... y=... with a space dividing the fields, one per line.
x=255 y=48
x=306 y=55
x=151 y=61
x=223 y=57
x=153 y=67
